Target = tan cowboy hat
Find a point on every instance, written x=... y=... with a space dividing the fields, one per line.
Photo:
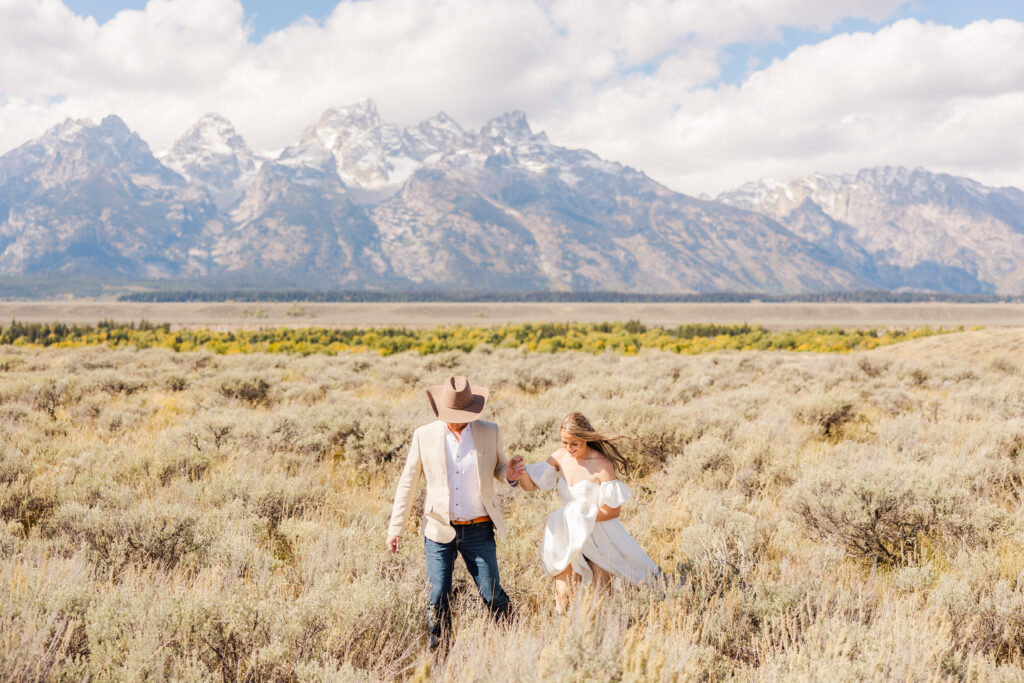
x=456 y=401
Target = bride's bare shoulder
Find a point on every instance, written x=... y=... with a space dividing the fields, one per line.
x=605 y=470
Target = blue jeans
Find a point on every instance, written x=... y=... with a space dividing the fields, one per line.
x=475 y=542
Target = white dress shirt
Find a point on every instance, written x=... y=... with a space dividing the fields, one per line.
x=465 y=502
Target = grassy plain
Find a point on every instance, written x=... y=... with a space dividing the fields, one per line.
x=191 y=516
x=774 y=316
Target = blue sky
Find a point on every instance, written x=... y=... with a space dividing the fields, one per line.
x=702 y=95
x=264 y=17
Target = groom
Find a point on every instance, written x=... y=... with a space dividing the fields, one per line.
x=460 y=457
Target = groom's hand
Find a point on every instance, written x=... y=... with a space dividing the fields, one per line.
x=515 y=468
x=393 y=543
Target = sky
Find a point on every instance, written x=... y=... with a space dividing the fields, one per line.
x=702 y=95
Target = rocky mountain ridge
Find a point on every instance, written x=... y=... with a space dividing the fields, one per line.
x=915 y=228
x=212 y=154
x=358 y=203
x=92 y=199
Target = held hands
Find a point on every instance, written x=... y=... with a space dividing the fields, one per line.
x=515 y=468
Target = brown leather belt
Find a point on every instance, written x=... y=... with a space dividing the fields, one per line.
x=478 y=520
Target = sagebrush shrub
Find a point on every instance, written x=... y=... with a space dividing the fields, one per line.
x=653 y=437
x=190 y=466
x=1003 y=365
x=14 y=464
x=589 y=645
x=11 y=533
x=272 y=498
x=25 y=498
x=48 y=397
x=985 y=608
x=879 y=514
x=160 y=535
x=254 y=390
x=175 y=382
x=528 y=432
x=724 y=542
x=115 y=383
x=829 y=413
x=872 y=366
x=370 y=434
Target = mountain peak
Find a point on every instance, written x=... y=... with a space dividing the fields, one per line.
x=441 y=121
x=79 y=144
x=213 y=154
x=213 y=134
x=338 y=125
x=365 y=148
x=365 y=107
x=213 y=119
x=439 y=133
x=362 y=115
x=511 y=126
x=214 y=125
x=68 y=129
x=113 y=122
x=99 y=186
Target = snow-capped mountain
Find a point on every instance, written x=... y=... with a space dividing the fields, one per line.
x=213 y=154
x=298 y=222
x=510 y=209
x=357 y=203
x=92 y=199
x=508 y=129
x=371 y=154
x=439 y=133
x=374 y=158
x=915 y=228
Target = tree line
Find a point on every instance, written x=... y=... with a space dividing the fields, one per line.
x=620 y=337
x=354 y=296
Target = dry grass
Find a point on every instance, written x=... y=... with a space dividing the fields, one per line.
x=195 y=517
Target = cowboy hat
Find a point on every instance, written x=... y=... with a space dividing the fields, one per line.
x=456 y=401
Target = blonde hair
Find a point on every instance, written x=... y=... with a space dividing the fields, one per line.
x=577 y=425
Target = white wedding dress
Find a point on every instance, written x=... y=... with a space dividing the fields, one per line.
x=573 y=535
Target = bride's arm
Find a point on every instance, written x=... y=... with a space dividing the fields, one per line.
x=527 y=484
x=606 y=512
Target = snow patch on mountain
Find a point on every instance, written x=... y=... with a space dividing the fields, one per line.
x=212 y=154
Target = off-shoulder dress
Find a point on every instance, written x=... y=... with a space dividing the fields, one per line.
x=573 y=535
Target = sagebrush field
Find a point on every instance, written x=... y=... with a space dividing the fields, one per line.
x=193 y=516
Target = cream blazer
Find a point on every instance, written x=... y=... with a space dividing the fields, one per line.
x=427 y=457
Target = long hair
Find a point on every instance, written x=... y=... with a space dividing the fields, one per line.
x=577 y=425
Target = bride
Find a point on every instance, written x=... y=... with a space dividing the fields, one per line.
x=584 y=540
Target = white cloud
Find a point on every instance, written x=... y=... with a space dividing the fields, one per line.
x=630 y=81
x=910 y=94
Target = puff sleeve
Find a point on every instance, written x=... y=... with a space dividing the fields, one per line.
x=614 y=493
x=543 y=475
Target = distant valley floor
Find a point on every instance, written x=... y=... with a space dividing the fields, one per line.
x=776 y=316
